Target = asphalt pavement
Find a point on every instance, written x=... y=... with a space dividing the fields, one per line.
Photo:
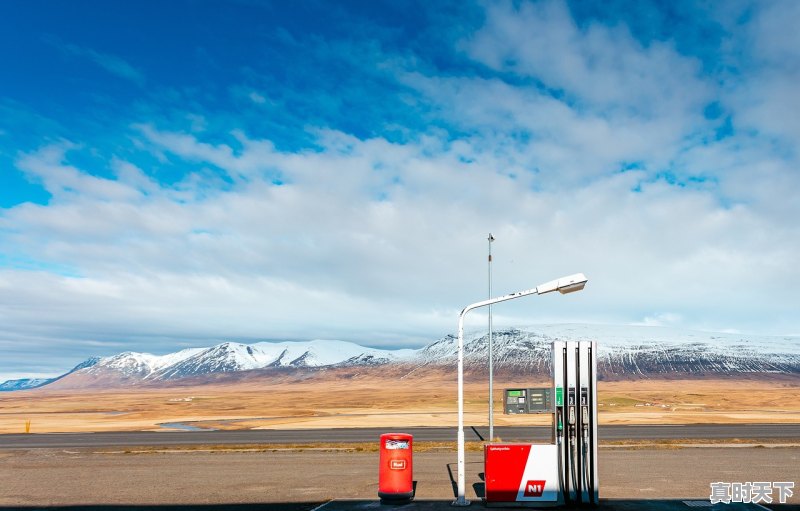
x=112 y=480
x=300 y=436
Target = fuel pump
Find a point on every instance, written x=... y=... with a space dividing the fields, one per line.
x=565 y=470
x=574 y=369
x=574 y=372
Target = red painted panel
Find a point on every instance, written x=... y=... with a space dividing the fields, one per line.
x=504 y=465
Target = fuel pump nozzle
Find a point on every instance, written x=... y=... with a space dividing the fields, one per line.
x=572 y=421
x=585 y=443
x=559 y=443
x=559 y=426
x=572 y=443
x=585 y=423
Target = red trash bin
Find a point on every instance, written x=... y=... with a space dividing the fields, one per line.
x=395 y=473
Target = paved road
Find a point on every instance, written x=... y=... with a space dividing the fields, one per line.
x=267 y=436
x=282 y=481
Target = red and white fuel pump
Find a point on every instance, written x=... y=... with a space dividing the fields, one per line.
x=563 y=471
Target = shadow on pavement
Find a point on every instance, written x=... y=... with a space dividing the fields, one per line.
x=453 y=482
x=478 y=488
x=605 y=505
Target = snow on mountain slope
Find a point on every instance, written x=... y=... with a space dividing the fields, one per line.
x=23 y=384
x=141 y=365
x=623 y=350
x=515 y=348
x=320 y=353
x=231 y=356
x=33 y=383
x=626 y=351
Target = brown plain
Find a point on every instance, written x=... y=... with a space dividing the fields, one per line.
x=371 y=398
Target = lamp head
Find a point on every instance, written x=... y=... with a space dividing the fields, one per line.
x=564 y=285
x=571 y=288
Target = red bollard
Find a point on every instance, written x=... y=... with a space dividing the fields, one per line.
x=395 y=473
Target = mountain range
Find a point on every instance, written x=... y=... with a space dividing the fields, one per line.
x=623 y=352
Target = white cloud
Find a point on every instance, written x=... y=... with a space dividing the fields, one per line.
x=383 y=242
x=344 y=250
x=59 y=179
x=763 y=86
x=572 y=104
x=599 y=67
x=532 y=132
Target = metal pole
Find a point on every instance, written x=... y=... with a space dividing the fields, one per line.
x=491 y=351
x=461 y=500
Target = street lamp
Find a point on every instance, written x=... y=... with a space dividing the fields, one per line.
x=564 y=285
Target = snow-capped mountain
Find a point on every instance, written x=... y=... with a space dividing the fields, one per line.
x=626 y=350
x=24 y=383
x=33 y=383
x=231 y=357
x=623 y=351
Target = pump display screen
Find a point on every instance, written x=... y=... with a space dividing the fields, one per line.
x=515 y=401
x=540 y=400
x=530 y=400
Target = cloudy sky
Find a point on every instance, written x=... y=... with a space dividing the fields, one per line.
x=180 y=173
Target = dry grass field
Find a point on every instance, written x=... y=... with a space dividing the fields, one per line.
x=375 y=400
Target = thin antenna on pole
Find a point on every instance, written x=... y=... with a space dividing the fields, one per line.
x=491 y=355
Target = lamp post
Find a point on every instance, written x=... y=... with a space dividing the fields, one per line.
x=564 y=285
x=491 y=365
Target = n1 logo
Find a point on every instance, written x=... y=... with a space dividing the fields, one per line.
x=534 y=488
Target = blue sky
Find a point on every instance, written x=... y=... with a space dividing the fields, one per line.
x=176 y=174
